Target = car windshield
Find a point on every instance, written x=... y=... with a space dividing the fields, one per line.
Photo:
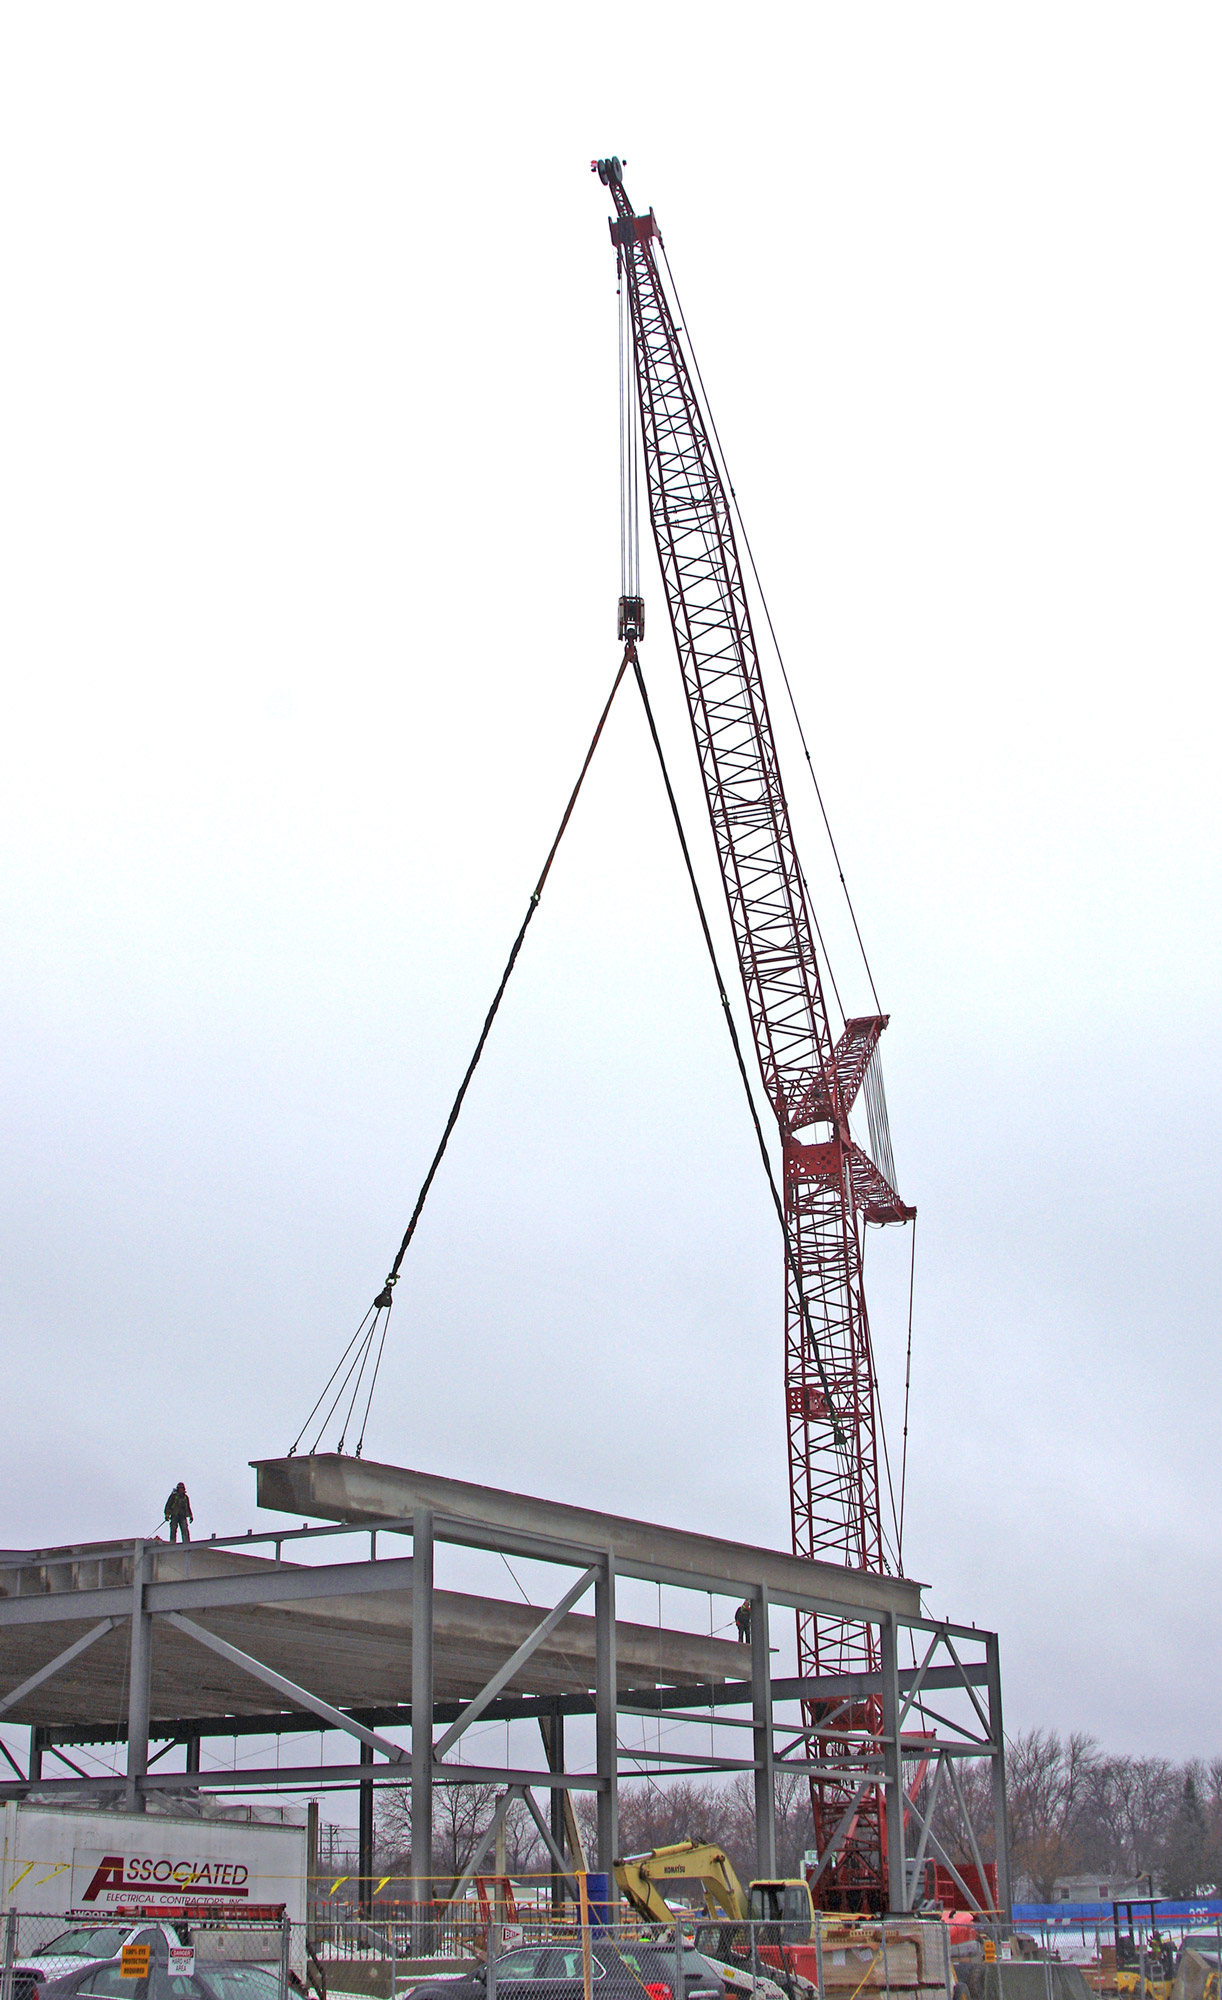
x=94 y=1942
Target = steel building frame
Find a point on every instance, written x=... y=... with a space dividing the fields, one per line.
x=52 y=1588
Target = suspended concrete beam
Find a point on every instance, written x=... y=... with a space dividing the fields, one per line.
x=334 y=1487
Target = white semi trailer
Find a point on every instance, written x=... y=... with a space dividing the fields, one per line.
x=90 y=1863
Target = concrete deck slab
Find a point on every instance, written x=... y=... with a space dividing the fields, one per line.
x=354 y=1651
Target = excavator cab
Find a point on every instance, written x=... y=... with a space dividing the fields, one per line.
x=788 y=1905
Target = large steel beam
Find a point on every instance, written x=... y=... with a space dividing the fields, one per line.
x=855 y=1687
x=1001 y=1823
x=268 y=1584
x=761 y=1717
x=140 y=1669
x=309 y=1778
x=281 y=1584
x=554 y=1847
x=334 y=1486
x=422 y=1707
x=551 y=1728
x=60 y=1606
x=606 y=1759
x=364 y=1837
x=898 y=1897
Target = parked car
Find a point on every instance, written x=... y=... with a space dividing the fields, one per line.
x=104 y=1981
x=85 y=1944
x=553 y=1972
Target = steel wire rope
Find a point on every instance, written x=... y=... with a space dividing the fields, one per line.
x=623 y=497
x=894 y=1549
x=790 y=1259
x=648 y=1776
x=385 y=1299
x=343 y=1385
x=682 y=328
x=873 y=1110
x=907 y=1388
x=707 y=532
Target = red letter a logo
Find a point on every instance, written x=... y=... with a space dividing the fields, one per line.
x=108 y=1876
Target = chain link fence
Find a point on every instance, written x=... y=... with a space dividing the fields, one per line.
x=485 y=1946
x=166 y=1955
x=474 y=1952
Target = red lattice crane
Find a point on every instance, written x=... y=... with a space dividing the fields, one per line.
x=811 y=1076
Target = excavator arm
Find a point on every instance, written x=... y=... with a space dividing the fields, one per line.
x=699 y=1861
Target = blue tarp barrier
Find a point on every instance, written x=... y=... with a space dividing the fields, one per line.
x=1206 y=1910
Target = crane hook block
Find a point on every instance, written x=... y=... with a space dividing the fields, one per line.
x=632 y=618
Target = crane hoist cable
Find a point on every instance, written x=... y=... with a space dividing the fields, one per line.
x=776 y=644
x=907 y=1388
x=728 y=1011
x=348 y=1376
x=632 y=626
x=373 y=1327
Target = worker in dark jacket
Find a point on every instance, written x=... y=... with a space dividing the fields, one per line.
x=178 y=1513
x=742 y=1618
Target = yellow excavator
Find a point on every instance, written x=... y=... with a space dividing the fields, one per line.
x=787 y=1904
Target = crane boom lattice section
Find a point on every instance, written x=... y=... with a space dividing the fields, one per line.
x=811 y=1077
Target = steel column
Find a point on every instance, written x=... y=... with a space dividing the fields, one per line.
x=606 y=1761
x=364 y=1837
x=1001 y=1824
x=139 y=1683
x=422 y=1705
x=551 y=1728
x=761 y=1716
x=898 y=1899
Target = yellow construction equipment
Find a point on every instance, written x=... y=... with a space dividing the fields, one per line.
x=784 y=1903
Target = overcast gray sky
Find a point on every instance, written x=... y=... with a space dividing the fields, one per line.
x=310 y=525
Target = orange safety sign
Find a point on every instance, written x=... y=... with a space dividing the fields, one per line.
x=134 y=1961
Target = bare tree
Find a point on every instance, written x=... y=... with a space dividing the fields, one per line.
x=461 y=1814
x=1185 y=1862
x=1143 y=1796
x=1048 y=1790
